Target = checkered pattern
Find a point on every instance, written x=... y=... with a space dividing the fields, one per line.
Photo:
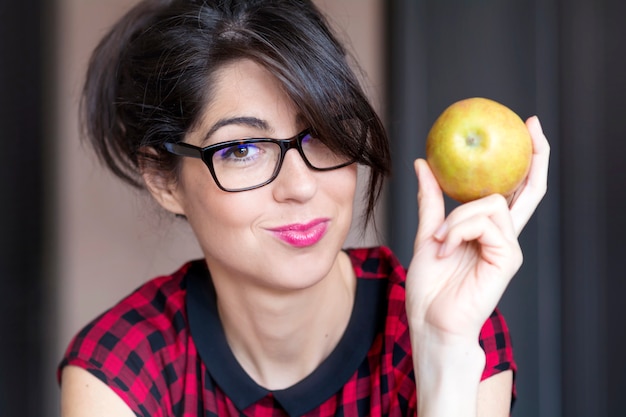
x=142 y=348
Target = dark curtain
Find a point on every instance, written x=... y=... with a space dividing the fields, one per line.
x=566 y=62
x=22 y=136
x=592 y=91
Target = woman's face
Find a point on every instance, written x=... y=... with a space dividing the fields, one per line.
x=284 y=235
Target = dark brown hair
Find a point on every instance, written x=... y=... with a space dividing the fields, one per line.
x=150 y=78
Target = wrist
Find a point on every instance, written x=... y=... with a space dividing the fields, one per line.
x=447 y=377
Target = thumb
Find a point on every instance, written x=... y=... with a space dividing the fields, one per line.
x=430 y=202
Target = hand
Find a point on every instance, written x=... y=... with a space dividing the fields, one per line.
x=462 y=264
x=526 y=199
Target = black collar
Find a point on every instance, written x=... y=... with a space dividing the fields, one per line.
x=208 y=335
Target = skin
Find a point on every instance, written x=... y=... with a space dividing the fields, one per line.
x=272 y=318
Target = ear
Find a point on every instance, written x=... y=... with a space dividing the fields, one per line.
x=162 y=186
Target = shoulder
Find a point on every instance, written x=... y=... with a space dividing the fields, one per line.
x=379 y=270
x=377 y=262
x=389 y=361
x=380 y=263
x=155 y=305
x=130 y=345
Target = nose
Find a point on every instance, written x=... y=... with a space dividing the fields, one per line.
x=295 y=181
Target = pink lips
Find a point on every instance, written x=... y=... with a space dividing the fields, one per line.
x=302 y=235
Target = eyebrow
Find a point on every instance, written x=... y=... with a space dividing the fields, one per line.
x=242 y=121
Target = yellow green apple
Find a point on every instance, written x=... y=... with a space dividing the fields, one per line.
x=478 y=147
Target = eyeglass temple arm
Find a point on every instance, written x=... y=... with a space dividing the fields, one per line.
x=183 y=149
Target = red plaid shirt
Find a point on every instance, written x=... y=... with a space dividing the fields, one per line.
x=163 y=351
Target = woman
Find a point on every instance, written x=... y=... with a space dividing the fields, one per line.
x=245 y=118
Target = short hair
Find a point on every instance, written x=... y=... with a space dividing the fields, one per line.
x=150 y=78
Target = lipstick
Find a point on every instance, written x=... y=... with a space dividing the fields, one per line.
x=301 y=235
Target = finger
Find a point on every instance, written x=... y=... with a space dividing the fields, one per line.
x=430 y=201
x=531 y=192
x=498 y=260
x=495 y=246
x=478 y=228
x=493 y=206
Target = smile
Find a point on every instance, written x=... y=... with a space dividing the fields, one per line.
x=301 y=235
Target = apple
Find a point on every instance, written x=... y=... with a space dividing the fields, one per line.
x=478 y=147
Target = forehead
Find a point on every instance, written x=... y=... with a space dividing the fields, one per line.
x=244 y=91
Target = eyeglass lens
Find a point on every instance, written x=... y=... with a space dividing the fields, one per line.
x=249 y=164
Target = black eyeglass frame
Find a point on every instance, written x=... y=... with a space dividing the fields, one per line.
x=206 y=155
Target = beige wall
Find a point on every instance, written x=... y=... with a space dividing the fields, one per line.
x=112 y=238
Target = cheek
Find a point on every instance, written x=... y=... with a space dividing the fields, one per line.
x=223 y=223
x=196 y=187
x=348 y=194
x=208 y=207
x=219 y=218
x=205 y=205
x=342 y=185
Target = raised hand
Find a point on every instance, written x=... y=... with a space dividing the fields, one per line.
x=461 y=266
x=463 y=263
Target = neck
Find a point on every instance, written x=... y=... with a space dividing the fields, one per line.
x=281 y=337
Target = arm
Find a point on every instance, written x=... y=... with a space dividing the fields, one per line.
x=82 y=394
x=461 y=266
x=494 y=395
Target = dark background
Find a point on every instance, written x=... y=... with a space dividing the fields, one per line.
x=564 y=60
x=24 y=203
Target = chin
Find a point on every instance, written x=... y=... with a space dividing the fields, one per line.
x=305 y=269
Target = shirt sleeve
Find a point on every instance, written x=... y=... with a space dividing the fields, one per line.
x=134 y=347
x=495 y=340
x=106 y=354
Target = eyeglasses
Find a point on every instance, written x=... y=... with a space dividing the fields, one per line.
x=246 y=164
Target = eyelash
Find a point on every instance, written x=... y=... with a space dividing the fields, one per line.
x=229 y=153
